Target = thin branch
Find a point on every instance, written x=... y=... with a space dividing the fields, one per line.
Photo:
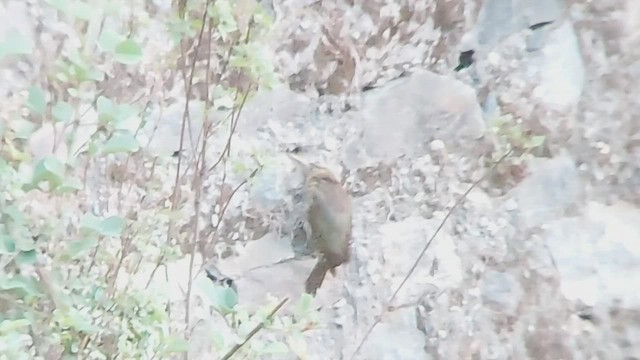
x=56 y=141
x=176 y=192
x=255 y=330
x=234 y=124
x=198 y=184
x=226 y=204
x=424 y=250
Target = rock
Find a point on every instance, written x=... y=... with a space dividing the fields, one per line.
x=270 y=187
x=402 y=118
x=280 y=106
x=562 y=71
x=161 y=134
x=598 y=255
x=267 y=266
x=499 y=19
x=632 y=23
x=502 y=292
x=548 y=340
x=552 y=188
x=266 y=251
x=396 y=338
x=496 y=21
x=278 y=280
x=402 y=242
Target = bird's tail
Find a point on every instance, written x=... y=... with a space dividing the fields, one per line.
x=316 y=277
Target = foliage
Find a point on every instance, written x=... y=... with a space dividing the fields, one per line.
x=510 y=136
x=284 y=332
x=70 y=245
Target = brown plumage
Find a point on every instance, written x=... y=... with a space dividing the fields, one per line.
x=330 y=218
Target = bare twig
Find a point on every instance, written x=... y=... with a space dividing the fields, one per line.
x=234 y=124
x=235 y=116
x=198 y=184
x=224 y=208
x=424 y=250
x=255 y=330
x=175 y=197
x=49 y=285
x=126 y=243
x=57 y=140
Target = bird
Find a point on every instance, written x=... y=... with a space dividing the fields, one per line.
x=329 y=216
x=218 y=278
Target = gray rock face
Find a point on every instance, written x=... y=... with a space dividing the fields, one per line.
x=161 y=135
x=552 y=188
x=537 y=74
x=598 y=255
x=598 y=260
x=501 y=292
x=397 y=339
x=402 y=118
x=562 y=72
x=499 y=19
x=402 y=242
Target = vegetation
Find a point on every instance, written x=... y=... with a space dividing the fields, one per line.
x=509 y=137
x=83 y=205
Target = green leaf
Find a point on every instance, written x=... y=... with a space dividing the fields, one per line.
x=224 y=299
x=179 y=29
x=76 y=249
x=7 y=245
x=23 y=286
x=80 y=321
x=61 y=5
x=173 y=344
x=14 y=213
x=275 y=347
x=15 y=44
x=110 y=112
x=304 y=305
x=123 y=142
x=111 y=226
x=11 y=326
x=22 y=128
x=26 y=257
x=105 y=108
x=128 y=52
x=93 y=74
x=62 y=111
x=49 y=169
x=537 y=141
x=70 y=185
x=76 y=68
x=83 y=11
x=125 y=112
x=24 y=243
x=223 y=14
x=36 y=101
x=109 y=40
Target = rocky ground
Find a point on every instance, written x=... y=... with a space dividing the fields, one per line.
x=540 y=260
